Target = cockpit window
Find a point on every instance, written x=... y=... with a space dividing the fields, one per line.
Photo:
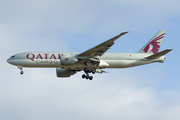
x=13 y=56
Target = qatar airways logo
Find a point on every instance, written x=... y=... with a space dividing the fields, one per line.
x=32 y=56
x=154 y=45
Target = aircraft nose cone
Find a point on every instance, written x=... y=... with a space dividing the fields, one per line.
x=8 y=60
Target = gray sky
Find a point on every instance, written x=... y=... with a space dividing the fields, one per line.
x=140 y=93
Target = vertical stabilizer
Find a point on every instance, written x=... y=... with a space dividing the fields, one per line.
x=154 y=44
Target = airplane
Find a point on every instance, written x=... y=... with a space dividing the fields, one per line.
x=92 y=60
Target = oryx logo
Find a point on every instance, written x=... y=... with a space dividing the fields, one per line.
x=154 y=45
x=66 y=59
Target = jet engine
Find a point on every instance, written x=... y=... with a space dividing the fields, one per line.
x=68 y=60
x=103 y=64
x=64 y=72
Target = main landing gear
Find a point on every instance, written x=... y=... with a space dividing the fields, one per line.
x=86 y=75
x=21 y=68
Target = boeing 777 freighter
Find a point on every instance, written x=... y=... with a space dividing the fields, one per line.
x=92 y=60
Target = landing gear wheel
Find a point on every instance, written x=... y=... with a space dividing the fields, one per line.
x=87 y=77
x=87 y=71
x=83 y=76
x=91 y=77
x=21 y=72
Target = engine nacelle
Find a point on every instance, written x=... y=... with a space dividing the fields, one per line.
x=64 y=73
x=103 y=64
x=68 y=60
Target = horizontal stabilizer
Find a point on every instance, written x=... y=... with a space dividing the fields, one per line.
x=100 y=71
x=159 y=54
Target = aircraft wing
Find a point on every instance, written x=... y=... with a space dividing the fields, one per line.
x=99 y=49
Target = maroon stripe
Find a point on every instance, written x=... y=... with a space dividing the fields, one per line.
x=161 y=35
x=158 y=38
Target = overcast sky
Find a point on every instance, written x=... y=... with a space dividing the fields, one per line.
x=140 y=93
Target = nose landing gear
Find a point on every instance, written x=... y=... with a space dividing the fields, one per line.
x=21 y=72
x=21 y=68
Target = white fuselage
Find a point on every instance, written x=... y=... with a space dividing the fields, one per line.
x=108 y=60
